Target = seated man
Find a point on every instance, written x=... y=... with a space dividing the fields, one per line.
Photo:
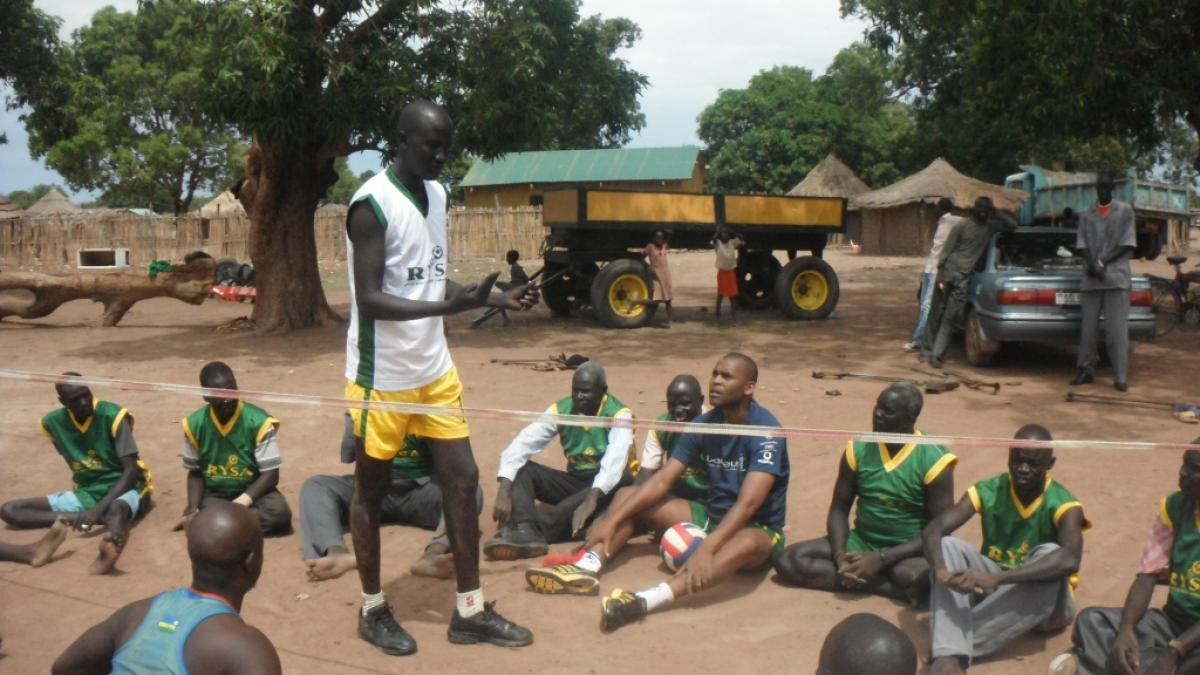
x=864 y=644
x=231 y=455
x=744 y=512
x=413 y=498
x=39 y=552
x=1020 y=580
x=597 y=461
x=899 y=489
x=196 y=629
x=1137 y=639
x=112 y=486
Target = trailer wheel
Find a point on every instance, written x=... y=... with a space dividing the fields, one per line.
x=562 y=294
x=756 y=274
x=618 y=291
x=807 y=288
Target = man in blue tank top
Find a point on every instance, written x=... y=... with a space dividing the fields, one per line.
x=189 y=630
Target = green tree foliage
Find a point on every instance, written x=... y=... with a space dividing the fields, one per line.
x=998 y=82
x=27 y=198
x=767 y=137
x=311 y=81
x=126 y=114
x=28 y=39
x=347 y=183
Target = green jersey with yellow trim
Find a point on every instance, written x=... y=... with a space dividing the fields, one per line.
x=891 y=489
x=1183 y=600
x=227 y=450
x=413 y=461
x=695 y=476
x=1012 y=529
x=89 y=450
x=584 y=446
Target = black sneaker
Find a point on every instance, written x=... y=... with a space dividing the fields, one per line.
x=621 y=608
x=1082 y=377
x=514 y=543
x=488 y=626
x=380 y=628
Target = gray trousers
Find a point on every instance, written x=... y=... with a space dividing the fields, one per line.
x=1096 y=630
x=325 y=510
x=954 y=304
x=1114 y=302
x=963 y=624
x=274 y=514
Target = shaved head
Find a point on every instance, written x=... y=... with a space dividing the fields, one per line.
x=1033 y=432
x=418 y=116
x=225 y=545
x=217 y=375
x=591 y=371
x=864 y=644
x=685 y=384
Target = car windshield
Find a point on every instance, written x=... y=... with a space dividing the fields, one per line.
x=1037 y=250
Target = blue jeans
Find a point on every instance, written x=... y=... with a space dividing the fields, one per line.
x=927 y=287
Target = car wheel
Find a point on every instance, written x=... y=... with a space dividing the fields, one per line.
x=980 y=351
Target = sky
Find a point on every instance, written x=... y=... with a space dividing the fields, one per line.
x=690 y=50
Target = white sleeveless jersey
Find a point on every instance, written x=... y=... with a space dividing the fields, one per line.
x=400 y=355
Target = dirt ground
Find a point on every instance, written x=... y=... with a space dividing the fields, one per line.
x=752 y=624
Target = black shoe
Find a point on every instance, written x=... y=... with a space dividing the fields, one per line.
x=515 y=543
x=1121 y=386
x=1082 y=377
x=488 y=626
x=380 y=628
x=935 y=362
x=621 y=608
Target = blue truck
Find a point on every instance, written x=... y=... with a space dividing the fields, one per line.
x=1052 y=192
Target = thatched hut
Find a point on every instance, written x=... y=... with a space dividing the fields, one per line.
x=9 y=210
x=832 y=178
x=52 y=202
x=224 y=204
x=900 y=218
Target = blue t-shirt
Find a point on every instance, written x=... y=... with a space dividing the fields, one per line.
x=728 y=458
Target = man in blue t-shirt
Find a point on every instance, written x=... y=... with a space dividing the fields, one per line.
x=743 y=514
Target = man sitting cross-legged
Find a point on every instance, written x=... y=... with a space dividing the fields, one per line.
x=1020 y=580
x=744 y=513
x=598 y=460
x=1135 y=638
x=112 y=486
x=413 y=498
x=899 y=489
x=231 y=455
x=197 y=629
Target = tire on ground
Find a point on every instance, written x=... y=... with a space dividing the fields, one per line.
x=807 y=288
x=563 y=293
x=980 y=352
x=756 y=274
x=616 y=290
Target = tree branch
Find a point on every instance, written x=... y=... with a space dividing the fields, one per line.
x=388 y=10
x=332 y=16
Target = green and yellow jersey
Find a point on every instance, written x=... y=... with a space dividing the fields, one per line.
x=584 y=446
x=90 y=451
x=227 y=451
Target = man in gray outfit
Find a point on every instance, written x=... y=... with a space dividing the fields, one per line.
x=1106 y=239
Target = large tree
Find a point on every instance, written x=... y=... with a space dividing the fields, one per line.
x=313 y=80
x=126 y=113
x=28 y=39
x=767 y=137
x=997 y=82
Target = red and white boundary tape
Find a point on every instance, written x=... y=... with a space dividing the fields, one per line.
x=798 y=433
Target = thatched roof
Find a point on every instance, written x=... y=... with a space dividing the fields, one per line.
x=9 y=210
x=830 y=178
x=935 y=181
x=52 y=202
x=224 y=204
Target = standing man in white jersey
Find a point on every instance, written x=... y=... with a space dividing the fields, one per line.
x=396 y=351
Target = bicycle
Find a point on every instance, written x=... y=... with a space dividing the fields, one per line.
x=1175 y=302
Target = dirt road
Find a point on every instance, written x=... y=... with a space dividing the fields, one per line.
x=751 y=625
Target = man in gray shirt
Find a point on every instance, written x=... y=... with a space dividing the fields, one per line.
x=961 y=252
x=1106 y=240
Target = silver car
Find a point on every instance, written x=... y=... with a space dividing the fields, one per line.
x=1026 y=289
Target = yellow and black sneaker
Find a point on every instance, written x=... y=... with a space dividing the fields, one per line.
x=564 y=579
x=621 y=608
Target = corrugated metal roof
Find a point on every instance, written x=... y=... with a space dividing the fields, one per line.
x=584 y=166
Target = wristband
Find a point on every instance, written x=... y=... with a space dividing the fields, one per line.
x=1176 y=647
x=244 y=499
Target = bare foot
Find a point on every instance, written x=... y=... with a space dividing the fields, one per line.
x=945 y=665
x=434 y=564
x=331 y=566
x=110 y=550
x=47 y=545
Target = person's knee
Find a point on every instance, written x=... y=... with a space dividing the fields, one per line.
x=794 y=567
x=953 y=550
x=912 y=576
x=1041 y=551
x=8 y=513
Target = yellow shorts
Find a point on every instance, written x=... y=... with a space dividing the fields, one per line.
x=384 y=431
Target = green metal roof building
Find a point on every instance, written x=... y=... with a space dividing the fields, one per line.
x=520 y=178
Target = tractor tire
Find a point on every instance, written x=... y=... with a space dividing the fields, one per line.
x=807 y=288
x=756 y=274
x=563 y=294
x=616 y=293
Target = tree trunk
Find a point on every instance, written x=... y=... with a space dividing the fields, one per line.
x=117 y=291
x=280 y=194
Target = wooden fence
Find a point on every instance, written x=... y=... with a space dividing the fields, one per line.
x=49 y=243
